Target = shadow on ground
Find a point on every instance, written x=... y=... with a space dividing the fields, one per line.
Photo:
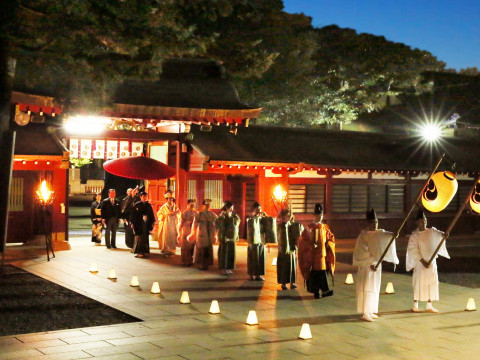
x=32 y=304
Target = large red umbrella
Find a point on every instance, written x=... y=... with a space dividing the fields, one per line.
x=139 y=167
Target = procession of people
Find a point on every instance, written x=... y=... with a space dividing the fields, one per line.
x=196 y=231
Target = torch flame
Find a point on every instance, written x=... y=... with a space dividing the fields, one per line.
x=44 y=194
x=279 y=194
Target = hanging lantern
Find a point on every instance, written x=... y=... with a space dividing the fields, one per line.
x=305 y=332
x=94 y=268
x=439 y=191
x=349 y=279
x=470 y=305
x=252 y=318
x=274 y=261
x=475 y=198
x=112 y=275
x=155 y=288
x=214 y=308
x=389 y=289
x=134 y=282
x=185 y=299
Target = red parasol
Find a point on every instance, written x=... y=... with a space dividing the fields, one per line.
x=139 y=167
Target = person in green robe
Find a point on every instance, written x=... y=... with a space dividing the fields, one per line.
x=256 y=243
x=227 y=226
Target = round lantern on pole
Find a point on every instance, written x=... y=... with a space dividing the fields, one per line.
x=439 y=191
x=475 y=198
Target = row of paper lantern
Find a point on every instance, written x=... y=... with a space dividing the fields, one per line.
x=305 y=332
x=441 y=189
x=390 y=290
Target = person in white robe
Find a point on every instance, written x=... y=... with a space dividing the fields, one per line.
x=168 y=216
x=371 y=243
x=421 y=246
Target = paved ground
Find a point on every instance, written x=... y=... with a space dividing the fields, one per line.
x=174 y=331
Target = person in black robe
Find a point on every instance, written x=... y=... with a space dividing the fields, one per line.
x=142 y=221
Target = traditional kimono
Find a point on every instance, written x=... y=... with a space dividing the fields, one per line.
x=368 y=250
x=287 y=235
x=96 y=217
x=186 y=228
x=316 y=256
x=167 y=228
x=422 y=244
x=204 y=232
x=227 y=227
x=256 y=247
x=142 y=219
x=127 y=208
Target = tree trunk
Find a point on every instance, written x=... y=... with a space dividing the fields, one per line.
x=7 y=137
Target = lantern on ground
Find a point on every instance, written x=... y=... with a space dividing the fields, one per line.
x=112 y=275
x=475 y=198
x=252 y=318
x=305 y=332
x=470 y=305
x=214 y=308
x=155 y=288
x=274 y=261
x=134 y=282
x=349 y=279
x=185 y=299
x=440 y=190
x=94 y=268
x=389 y=289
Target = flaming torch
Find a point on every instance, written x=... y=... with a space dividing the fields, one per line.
x=279 y=197
x=44 y=197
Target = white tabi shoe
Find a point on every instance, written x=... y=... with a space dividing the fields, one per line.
x=374 y=316
x=430 y=308
x=367 y=317
x=415 y=307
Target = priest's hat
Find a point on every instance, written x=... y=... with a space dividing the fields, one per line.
x=371 y=215
x=420 y=215
x=318 y=209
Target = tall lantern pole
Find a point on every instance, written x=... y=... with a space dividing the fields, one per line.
x=454 y=221
x=397 y=233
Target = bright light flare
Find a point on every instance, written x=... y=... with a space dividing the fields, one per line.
x=431 y=131
x=279 y=194
x=86 y=124
x=44 y=195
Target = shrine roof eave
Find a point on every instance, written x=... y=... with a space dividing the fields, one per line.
x=130 y=135
x=160 y=113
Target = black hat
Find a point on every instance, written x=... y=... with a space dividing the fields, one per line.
x=256 y=205
x=143 y=193
x=420 y=215
x=227 y=204
x=189 y=201
x=371 y=215
x=318 y=209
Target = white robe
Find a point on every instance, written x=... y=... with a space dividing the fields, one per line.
x=368 y=250
x=421 y=245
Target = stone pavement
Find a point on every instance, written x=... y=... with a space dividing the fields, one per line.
x=170 y=330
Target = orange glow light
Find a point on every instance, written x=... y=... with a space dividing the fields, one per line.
x=279 y=194
x=44 y=196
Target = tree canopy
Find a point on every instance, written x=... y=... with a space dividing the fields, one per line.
x=80 y=49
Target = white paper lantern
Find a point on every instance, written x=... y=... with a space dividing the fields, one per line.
x=214 y=308
x=305 y=332
x=252 y=318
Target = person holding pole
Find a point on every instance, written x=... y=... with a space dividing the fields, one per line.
x=371 y=243
x=421 y=247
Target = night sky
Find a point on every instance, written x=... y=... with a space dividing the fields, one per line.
x=449 y=29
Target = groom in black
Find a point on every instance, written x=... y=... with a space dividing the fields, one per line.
x=111 y=214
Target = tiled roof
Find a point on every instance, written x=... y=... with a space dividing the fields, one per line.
x=334 y=149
